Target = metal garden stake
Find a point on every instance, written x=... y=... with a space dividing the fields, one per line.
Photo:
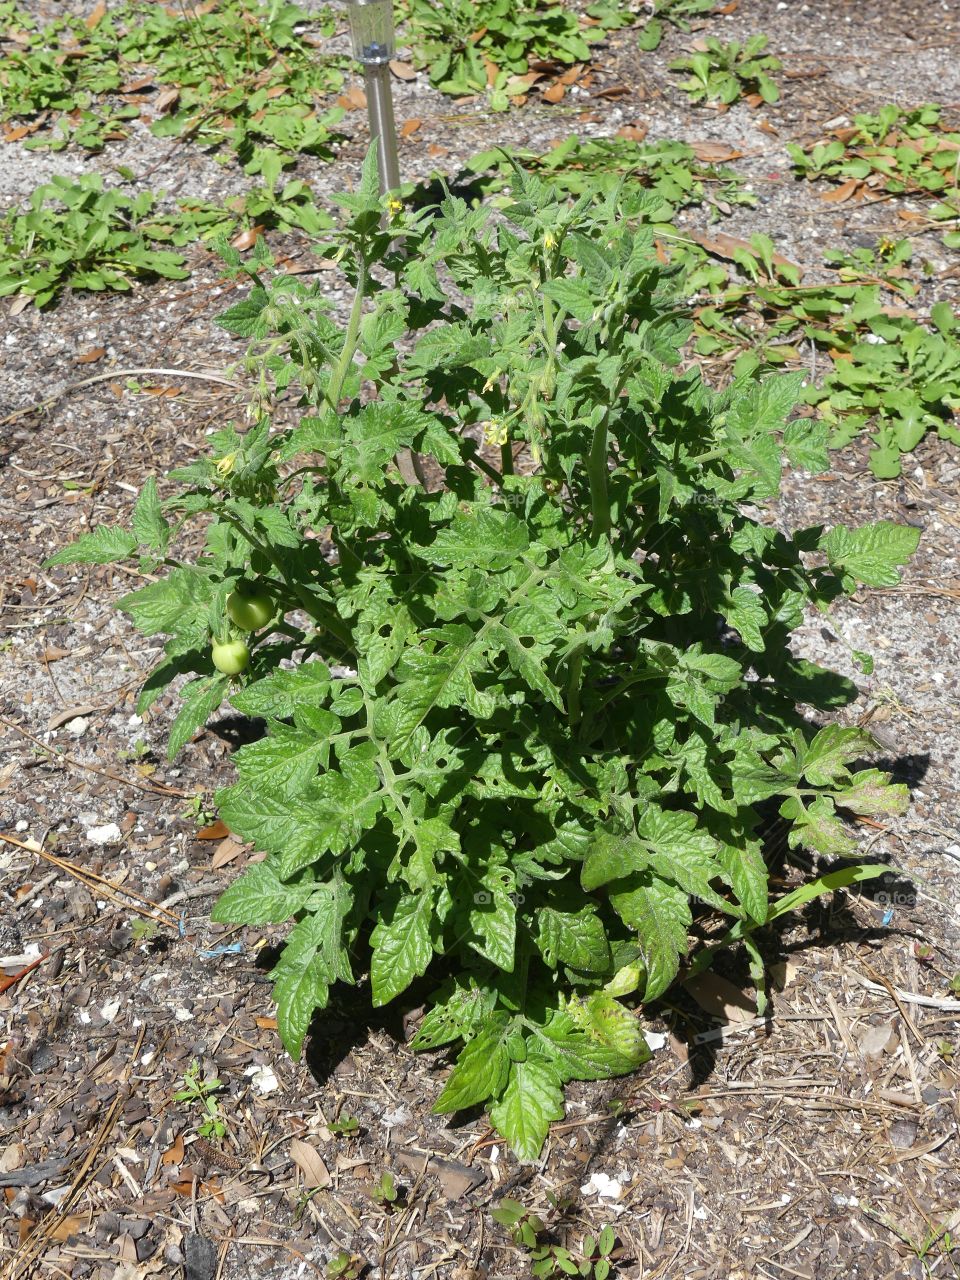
x=371 y=28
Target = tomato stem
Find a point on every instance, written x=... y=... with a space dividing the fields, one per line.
x=351 y=340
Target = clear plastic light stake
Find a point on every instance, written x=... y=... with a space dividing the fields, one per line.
x=371 y=28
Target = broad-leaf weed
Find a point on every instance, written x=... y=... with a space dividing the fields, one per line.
x=76 y=234
x=722 y=73
x=461 y=42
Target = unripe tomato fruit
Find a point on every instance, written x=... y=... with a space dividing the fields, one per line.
x=231 y=657
x=250 y=611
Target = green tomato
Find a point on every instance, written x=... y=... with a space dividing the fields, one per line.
x=250 y=611
x=230 y=656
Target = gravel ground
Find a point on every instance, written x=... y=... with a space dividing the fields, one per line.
x=819 y=1143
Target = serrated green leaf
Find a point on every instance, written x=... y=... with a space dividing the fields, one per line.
x=746 y=614
x=149 y=524
x=574 y=938
x=286 y=761
x=872 y=553
x=279 y=694
x=402 y=947
x=104 y=545
x=200 y=699
x=660 y=914
x=610 y=857
x=482 y=1069
x=259 y=896
x=528 y=1105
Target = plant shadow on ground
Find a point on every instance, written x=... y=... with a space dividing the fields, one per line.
x=237 y=730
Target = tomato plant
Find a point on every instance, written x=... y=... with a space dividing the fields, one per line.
x=542 y=699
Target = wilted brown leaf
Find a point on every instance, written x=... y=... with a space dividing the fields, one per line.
x=53 y=653
x=403 y=70
x=723 y=246
x=633 y=132
x=554 y=93
x=166 y=98
x=846 y=191
x=354 y=99
x=308 y=1161
x=96 y=15
x=721 y=998
x=89 y=357
x=132 y=86
x=174 y=1153
x=215 y=831
x=410 y=127
x=715 y=152
x=225 y=852
x=247 y=239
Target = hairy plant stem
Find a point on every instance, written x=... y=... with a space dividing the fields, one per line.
x=597 y=474
x=574 y=672
x=351 y=340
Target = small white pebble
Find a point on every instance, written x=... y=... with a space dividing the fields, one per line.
x=263 y=1079
x=108 y=834
x=602 y=1185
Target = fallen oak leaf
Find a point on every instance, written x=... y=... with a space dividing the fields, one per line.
x=310 y=1163
x=573 y=75
x=244 y=240
x=226 y=851
x=715 y=152
x=846 y=191
x=215 y=831
x=175 y=1152
x=353 y=100
x=96 y=15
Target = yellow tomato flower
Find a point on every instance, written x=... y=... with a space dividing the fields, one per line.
x=495 y=432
